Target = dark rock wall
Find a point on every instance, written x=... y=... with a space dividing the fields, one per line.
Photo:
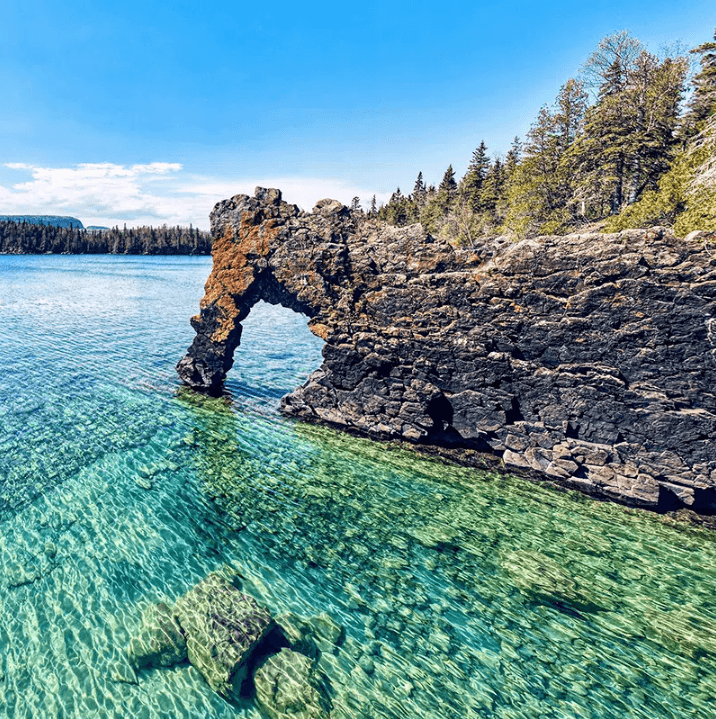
x=588 y=358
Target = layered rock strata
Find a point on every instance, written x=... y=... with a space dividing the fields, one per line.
x=590 y=359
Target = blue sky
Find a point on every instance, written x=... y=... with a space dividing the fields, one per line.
x=150 y=112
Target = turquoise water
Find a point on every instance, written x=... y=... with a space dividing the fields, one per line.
x=462 y=594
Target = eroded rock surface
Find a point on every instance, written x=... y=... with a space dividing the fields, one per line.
x=288 y=687
x=589 y=358
x=160 y=640
x=223 y=627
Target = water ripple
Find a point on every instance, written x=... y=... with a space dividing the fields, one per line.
x=462 y=594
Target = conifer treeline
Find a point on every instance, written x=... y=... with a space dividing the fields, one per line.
x=616 y=147
x=26 y=238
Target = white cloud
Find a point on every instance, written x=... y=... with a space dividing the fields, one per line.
x=157 y=168
x=155 y=193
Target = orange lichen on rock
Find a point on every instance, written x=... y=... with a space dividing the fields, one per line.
x=233 y=272
x=320 y=330
x=254 y=240
x=228 y=310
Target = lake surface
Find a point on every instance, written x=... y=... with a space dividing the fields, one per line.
x=462 y=594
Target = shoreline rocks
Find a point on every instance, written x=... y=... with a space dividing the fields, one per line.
x=589 y=360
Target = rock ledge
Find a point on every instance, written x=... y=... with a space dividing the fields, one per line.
x=590 y=359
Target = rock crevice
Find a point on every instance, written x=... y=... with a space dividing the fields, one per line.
x=589 y=358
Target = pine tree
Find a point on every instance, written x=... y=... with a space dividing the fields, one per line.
x=629 y=136
x=471 y=184
x=355 y=205
x=570 y=108
x=420 y=192
x=493 y=189
x=513 y=159
x=703 y=102
x=448 y=185
x=686 y=193
x=399 y=211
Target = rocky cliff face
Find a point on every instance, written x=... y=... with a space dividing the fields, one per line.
x=589 y=358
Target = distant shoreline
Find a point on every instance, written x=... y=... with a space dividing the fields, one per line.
x=24 y=238
x=111 y=254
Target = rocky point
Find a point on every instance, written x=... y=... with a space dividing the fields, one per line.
x=589 y=359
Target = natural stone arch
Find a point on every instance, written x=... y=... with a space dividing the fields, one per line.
x=244 y=260
x=586 y=358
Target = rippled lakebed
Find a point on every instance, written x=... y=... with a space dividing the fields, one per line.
x=461 y=594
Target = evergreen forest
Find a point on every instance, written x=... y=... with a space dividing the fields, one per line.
x=628 y=143
x=29 y=238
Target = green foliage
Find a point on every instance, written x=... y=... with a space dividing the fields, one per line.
x=472 y=183
x=629 y=136
x=699 y=215
x=448 y=186
x=686 y=196
x=541 y=187
x=24 y=238
x=703 y=101
x=623 y=153
x=420 y=191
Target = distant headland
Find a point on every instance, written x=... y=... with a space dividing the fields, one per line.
x=52 y=220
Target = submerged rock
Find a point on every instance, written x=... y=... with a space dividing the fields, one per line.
x=143 y=482
x=288 y=687
x=326 y=627
x=122 y=674
x=160 y=641
x=589 y=360
x=223 y=627
x=298 y=633
x=544 y=577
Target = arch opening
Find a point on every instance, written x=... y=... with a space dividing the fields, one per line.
x=276 y=354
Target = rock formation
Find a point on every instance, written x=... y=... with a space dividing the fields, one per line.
x=287 y=687
x=590 y=359
x=229 y=638
x=214 y=625
x=160 y=640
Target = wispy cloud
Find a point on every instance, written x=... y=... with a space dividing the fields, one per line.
x=155 y=193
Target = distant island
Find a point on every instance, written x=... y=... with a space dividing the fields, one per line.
x=24 y=235
x=53 y=220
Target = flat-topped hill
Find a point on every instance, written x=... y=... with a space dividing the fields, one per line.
x=54 y=220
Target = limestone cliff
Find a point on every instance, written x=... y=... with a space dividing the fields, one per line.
x=588 y=358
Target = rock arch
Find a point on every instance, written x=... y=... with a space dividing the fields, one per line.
x=586 y=358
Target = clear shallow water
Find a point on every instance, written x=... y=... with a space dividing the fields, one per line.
x=471 y=595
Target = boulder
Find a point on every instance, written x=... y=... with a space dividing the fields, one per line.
x=298 y=634
x=223 y=627
x=160 y=641
x=326 y=627
x=288 y=687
